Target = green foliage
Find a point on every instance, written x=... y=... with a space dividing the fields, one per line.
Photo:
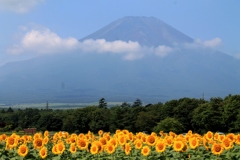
x=169 y=124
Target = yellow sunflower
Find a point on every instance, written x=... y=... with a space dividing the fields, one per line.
x=145 y=151
x=138 y=144
x=227 y=143
x=122 y=140
x=73 y=148
x=127 y=148
x=54 y=149
x=110 y=148
x=45 y=140
x=100 y=132
x=237 y=139
x=43 y=152
x=94 y=149
x=60 y=147
x=193 y=142
x=151 y=140
x=38 y=143
x=114 y=142
x=217 y=148
x=11 y=142
x=82 y=143
x=209 y=135
x=178 y=145
x=22 y=150
x=46 y=134
x=160 y=146
x=103 y=140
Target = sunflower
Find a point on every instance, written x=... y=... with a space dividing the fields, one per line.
x=122 y=140
x=4 y=137
x=45 y=140
x=37 y=135
x=151 y=140
x=143 y=138
x=107 y=136
x=72 y=139
x=231 y=136
x=169 y=140
x=60 y=147
x=11 y=142
x=73 y=148
x=130 y=136
x=160 y=146
x=237 y=139
x=54 y=149
x=110 y=148
x=217 y=148
x=43 y=152
x=94 y=148
x=100 y=132
x=82 y=143
x=100 y=146
x=145 y=151
x=22 y=150
x=103 y=140
x=138 y=144
x=209 y=135
x=227 y=143
x=46 y=134
x=127 y=148
x=193 y=142
x=114 y=142
x=38 y=143
x=178 y=145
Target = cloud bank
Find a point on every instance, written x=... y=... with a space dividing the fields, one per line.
x=19 y=6
x=43 y=41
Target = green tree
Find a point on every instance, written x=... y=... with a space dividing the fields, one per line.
x=207 y=117
x=231 y=112
x=102 y=103
x=183 y=111
x=137 y=103
x=169 y=124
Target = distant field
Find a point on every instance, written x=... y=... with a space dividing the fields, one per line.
x=56 y=105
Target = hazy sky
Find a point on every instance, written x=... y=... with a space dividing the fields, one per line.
x=48 y=26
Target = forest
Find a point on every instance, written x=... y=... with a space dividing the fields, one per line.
x=178 y=115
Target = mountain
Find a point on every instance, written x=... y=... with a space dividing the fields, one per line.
x=87 y=77
x=148 y=31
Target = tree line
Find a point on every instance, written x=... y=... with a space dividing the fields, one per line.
x=178 y=115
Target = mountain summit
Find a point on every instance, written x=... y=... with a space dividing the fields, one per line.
x=147 y=31
x=88 y=76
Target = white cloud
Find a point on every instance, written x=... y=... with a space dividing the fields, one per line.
x=102 y=46
x=210 y=43
x=43 y=41
x=198 y=43
x=163 y=50
x=19 y=6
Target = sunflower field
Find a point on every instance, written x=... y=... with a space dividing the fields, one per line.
x=122 y=144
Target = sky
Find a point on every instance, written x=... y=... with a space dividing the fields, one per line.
x=29 y=28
